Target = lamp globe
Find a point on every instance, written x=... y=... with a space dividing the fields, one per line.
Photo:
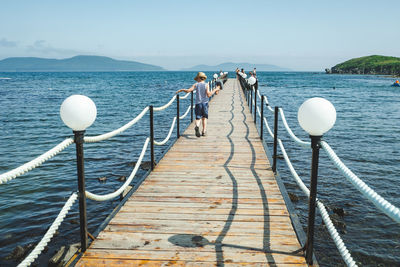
x=252 y=80
x=316 y=116
x=78 y=112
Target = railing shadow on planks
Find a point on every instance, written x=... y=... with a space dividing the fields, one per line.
x=82 y=194
x=252 y=94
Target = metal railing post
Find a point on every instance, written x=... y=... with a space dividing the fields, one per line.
x=275 y=139
x=262 y=118
x=177 y=116
x=315 y=145
x=191 y=106
x=152 y=164
x=251 y=100
x=80 y=164
x=255 y=105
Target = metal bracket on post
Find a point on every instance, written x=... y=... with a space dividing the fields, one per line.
x=78 y=138
x=152 y=164
x=177 y=116
x=275 y=139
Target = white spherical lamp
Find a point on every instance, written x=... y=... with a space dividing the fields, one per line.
x=215 y=76
x=316 y=116
x=78 y=112
x=252 y=80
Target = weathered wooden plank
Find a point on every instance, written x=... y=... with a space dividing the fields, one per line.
x=230 y=255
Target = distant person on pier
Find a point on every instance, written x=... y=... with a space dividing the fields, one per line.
x=255 y=73
x=202 y=97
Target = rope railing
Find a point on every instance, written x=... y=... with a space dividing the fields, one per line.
x=291 y=134
x=186 y=113
x=169 y=134
x=9 y=175
x=5 y=177
x=268 y=128
x=343 y=251
x=50 y=232
x=185 y=96
x=102 y=137
x=268 y=105
x=118 y=192
x=346 y=256
x=382 y=204
x=166 y=105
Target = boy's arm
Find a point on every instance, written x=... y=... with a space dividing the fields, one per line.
x=186 y=90
x=210 y=93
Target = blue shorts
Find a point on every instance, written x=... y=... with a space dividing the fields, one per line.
x=201 y=110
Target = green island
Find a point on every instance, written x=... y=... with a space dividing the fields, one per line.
x=376 y=65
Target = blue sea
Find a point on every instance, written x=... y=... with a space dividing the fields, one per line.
x=365 y=137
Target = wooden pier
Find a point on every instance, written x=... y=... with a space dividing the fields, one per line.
x=211 y=201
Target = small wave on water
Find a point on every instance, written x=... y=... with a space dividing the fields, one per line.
x=5 y=78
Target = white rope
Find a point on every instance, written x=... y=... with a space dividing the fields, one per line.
x=382 y=204
x=50 y=233
x=258 y=93
x=299 y=182
x=183 y=97
x=324 y=214
x=258 y=111
x=268 y=106
x=96 y=197
x=168 y=136
x=269 y=129
x=186 y=113
x=35 y=162
x=295 y=138
x=102 y=137
x=166 y=105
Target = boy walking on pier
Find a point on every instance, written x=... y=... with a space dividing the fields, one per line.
x=202 y=97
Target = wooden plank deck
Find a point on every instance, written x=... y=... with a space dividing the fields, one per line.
x=211 y=201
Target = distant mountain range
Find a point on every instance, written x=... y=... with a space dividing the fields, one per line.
x=77 y=63
x=230 y=66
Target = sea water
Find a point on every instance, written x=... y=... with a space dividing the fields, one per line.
x=365 y=137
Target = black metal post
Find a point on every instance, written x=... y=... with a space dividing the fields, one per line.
x=152 y=164
x=177 y=116
x=80 y=164
x=191 y=106
x=255 y=105
x=251 y=100
x=262 y=118
x=315 y=145
x=275 y=139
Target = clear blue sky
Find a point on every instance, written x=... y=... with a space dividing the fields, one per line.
x=301 y=35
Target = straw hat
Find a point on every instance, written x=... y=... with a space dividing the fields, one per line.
x=200 y=75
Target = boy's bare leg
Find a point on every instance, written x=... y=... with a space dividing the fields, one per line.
x=197 y=123
x=204 y=120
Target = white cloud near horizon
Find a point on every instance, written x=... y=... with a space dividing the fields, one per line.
x=6 y=43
